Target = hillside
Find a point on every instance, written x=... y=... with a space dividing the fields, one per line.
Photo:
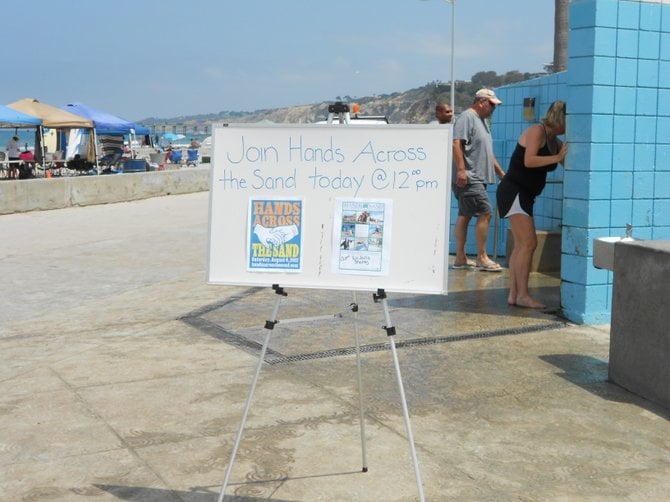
x=415 y=106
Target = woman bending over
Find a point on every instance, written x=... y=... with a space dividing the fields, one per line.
x=537 y=152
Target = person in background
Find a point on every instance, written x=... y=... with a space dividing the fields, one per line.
x=13 y=153
x=194 y=143
x=537 y=152
x=443 y=114
x=474 y=167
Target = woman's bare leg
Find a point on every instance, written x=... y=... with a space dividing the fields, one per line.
x=525 y=242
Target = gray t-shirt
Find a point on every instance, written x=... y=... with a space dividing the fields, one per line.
x=477 y=148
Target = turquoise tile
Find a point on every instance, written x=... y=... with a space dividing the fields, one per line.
x=647 y=73
x=602 y=128
x=643 y=232
x=645 y=157
x=577 y=184
x=603 y=99
x=599 y=213
x=650 y=16
x=586 y=305
x=579 y=126
x=662 y=130
x=645 y=129
x=623 y=155
x=660 y=233
x=605 y=42
x=626 y=71
x=606 y=14
x=661 y=213
x=623 y=129
x=582 y=15
x=600 y=185
x=622 y=185
x=581 y=42
x=573 y=299
x=642 y=213
x=647 y=101
x=649 y=45
x=629 y=15
x=665 y=18
x=575 y=212
x=601 y=156
x=580 y=98
x=575 y=241
x=627 y=43
x=604 y=70
x=574 y=268
x=664 y=71
x=624 y=100
x=662 y=184
x=581 y=71
x=662 y=157
x=621 y=212
x=665 y=45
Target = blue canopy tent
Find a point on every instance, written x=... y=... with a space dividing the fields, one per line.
x=106 y=124
x=19 y=120
x=14 y=119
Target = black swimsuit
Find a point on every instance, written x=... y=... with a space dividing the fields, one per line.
x=523 y=181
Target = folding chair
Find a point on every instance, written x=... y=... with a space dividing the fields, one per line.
x=192 y=157
x=157 y=161
x=4 y=168
x=175 y=156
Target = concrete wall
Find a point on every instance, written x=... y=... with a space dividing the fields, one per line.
x=56 y=193
x=640 y=341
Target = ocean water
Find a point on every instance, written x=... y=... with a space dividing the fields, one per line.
x=25 y=136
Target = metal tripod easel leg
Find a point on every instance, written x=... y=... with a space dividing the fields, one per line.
x=390 y=331
x=269 y=325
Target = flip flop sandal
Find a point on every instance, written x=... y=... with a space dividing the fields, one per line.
x=491 y=267
x=464 y=266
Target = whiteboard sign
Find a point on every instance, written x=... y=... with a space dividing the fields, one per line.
x=330 y=206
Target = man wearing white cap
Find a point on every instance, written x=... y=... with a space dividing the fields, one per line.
x=474 y=167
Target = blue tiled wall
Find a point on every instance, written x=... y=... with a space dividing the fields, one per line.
x=617 y=89
x=615 y=121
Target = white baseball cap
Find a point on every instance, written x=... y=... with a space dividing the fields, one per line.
x=488 y=94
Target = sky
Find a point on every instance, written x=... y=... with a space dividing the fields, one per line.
x=164 y=58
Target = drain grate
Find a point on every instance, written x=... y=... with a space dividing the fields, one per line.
x=272 y=357
x=416 y=342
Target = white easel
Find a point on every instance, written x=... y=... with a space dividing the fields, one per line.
x=380 y=295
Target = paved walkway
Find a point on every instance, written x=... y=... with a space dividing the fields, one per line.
x=124 y=376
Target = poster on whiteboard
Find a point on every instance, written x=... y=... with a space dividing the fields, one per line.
x=362 y=234
x=274 y=232
x=330 y=206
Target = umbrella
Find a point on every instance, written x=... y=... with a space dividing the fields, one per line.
x=172 y=136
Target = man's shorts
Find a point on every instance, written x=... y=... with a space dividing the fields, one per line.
x=473 y=200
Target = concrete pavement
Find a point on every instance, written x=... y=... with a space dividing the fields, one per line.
x=124 y=376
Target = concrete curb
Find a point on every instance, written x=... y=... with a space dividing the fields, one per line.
x=56 y=193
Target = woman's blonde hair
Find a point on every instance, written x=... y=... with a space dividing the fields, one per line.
x=555 y=117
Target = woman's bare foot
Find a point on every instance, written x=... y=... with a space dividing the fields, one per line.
x=529 y=303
